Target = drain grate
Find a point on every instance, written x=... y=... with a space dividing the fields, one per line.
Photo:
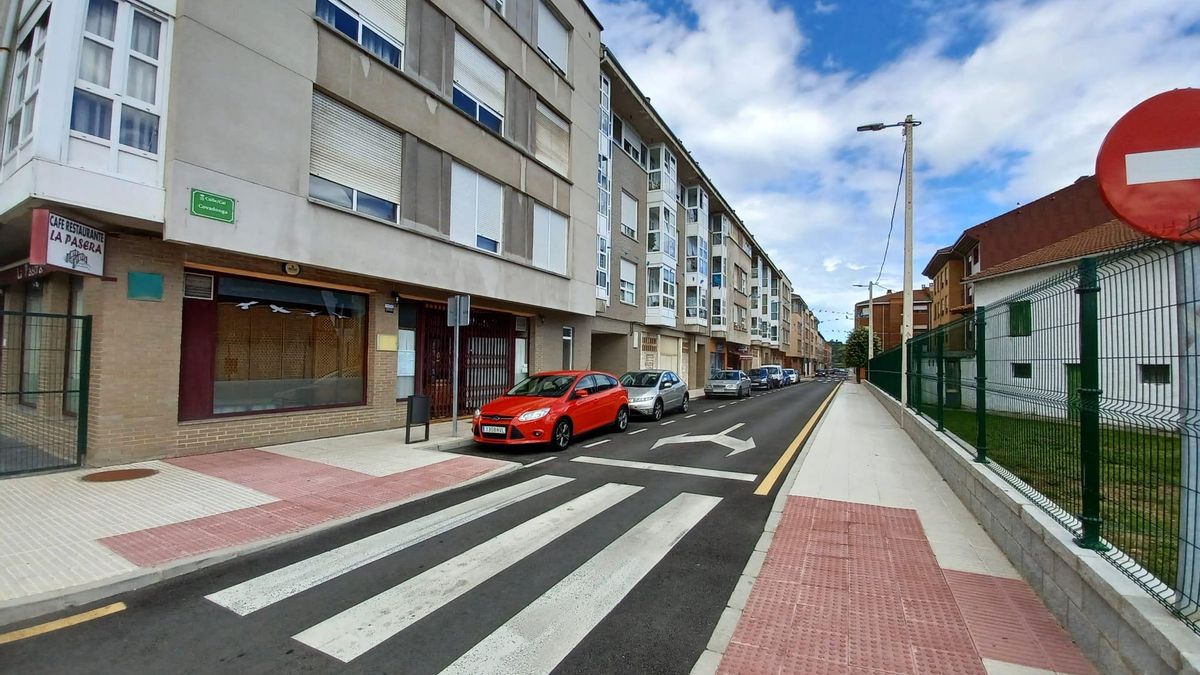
x=118 y=474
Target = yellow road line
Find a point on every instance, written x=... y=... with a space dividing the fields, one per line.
x=773 y=475
x=64 y=622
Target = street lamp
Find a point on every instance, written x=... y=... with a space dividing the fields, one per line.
x=906 y=325
x=870 y=286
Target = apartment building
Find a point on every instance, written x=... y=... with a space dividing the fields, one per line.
x=264 y=209
x=889 y=315
x=805 y=351
x=1027 y=228
x=733 y=258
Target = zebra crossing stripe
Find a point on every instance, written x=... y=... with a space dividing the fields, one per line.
x=267 y=589
x=542 y=634
x=364 y=626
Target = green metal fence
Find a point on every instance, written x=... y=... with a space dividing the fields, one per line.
x=1082 y=390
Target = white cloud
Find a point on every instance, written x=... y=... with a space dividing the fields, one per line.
x=832 y=264
x=824 y=7
x=1021 y=114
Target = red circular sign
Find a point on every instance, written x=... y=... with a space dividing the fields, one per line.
x=1149 y=166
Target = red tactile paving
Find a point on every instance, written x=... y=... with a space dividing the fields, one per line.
x=1009 y=623
x=855 y=588
x=327 y=496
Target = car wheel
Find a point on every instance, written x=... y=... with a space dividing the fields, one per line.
x=684 y=406
x=562 y=435
x=622 y=422
x=658 y=410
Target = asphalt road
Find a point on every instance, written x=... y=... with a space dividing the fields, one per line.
x=565 y=565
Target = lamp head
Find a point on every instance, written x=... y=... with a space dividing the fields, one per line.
x=877 y=126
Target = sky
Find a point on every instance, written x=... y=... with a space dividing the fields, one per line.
x=1014 y=96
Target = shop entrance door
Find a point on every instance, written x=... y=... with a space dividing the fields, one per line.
x=486 y=358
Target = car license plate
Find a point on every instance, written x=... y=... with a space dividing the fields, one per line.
x=489 y=429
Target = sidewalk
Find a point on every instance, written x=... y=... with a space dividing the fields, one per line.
x=874 y=566
x=64 y=541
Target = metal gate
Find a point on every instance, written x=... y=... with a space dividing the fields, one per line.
x=44 y=372
x=486 y=359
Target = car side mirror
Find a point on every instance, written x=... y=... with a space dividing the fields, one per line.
x=581 y=393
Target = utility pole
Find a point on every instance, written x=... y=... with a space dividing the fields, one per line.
x=906 y=327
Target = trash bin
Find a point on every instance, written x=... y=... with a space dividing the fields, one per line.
x=418 y=414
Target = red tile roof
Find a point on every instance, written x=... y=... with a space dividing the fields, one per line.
x=1111 y=235
x=919 y=295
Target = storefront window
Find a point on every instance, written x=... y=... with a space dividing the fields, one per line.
x=279 y=346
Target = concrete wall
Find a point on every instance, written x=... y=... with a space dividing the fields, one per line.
x=1116 y=623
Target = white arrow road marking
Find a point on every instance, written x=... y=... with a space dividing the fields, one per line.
x=367 y=624
x=1162 y=166
x=283 y=583
x=735 y=445
x=541 y=635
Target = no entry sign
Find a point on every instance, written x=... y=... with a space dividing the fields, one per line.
x=1148 y=168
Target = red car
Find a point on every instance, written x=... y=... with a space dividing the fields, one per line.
x=551 y=408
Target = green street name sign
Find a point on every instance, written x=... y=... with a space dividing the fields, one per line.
x=214 y=206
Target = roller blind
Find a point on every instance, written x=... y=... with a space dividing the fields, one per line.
x=552 y=139
x=629 y=209
x=549 y=240
x=477 y=74
x=552 y=37
x=628 y=271
x=354 y=150
x=390 y=15
x=476 y=206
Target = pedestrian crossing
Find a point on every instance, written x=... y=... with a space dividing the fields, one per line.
x=538 y=636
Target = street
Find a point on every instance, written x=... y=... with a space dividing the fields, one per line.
x=616 y=556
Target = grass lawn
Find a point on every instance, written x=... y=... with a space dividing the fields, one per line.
x=1139 y=473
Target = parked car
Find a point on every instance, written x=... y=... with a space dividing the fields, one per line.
x=776 y=373
x=551 y=408
x=653 y=392
x=733 y=383
x=760 y=378
x=790 y=376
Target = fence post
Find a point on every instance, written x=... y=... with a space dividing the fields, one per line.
x=981 y=385
x=85 y=371
x=1089 y=404
x=941 y=380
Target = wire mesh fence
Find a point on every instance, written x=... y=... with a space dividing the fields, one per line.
x=1081 y=388
x=44 y=363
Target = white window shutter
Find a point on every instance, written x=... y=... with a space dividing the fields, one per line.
x=557 y=230
x=463 y=204
x=552 y=139
x=351 y=149
x=541 y=236
x=391 y=16
x=552 y=36
x=629 y=208
x=478 y=74
x=628 y=272
x=491 y=211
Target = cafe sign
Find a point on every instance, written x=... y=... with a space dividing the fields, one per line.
x=66 y=244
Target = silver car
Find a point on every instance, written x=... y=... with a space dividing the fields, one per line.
x=653 y=392
x=733 y=383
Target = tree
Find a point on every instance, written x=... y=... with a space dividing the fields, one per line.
x=856 y=347
x=839 y=354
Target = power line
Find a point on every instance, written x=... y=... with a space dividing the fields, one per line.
x=892 y=224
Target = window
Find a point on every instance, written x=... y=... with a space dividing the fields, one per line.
x=741 y=279
x=478 y=84
x=739 y=314
x=628 y=140
x=718 y=273
x=661 y=234
x=1022 y=371
x=602 y=265
x=272 y=346
x=476 y=205
x=549 y=239
x=381 y=32
x=552 y=37
x=552 y=139
x=27 y=75
x=354 y=161
x=628 y=282
x=718 y=316
x=661 y=289
x=117 y=90
x=717 y=229
x=568 y=346
x=1020 y=319
x=629 y=215
x=1155 y=373
x=774 y=310
x=691 y=303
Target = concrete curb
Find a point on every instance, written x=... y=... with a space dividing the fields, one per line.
x=81 y=594
x=710 y=659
